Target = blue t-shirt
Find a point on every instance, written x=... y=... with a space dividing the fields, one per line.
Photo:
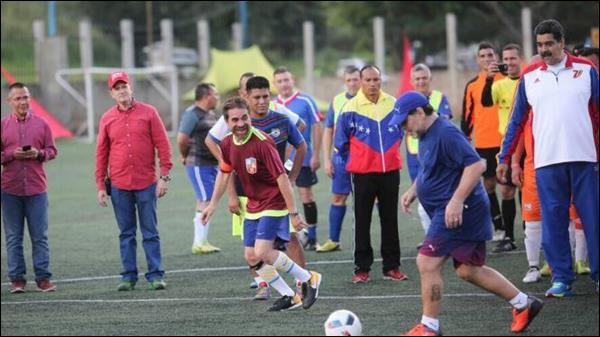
x=306 y=107
x=444 y=152
x=281 y=129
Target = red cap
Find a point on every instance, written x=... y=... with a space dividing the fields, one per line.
x=116 y=77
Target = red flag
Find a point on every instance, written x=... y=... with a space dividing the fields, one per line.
x=58 y=129
x=407 y=64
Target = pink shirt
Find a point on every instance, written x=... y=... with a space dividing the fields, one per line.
x=126 y=146
x=25 y=177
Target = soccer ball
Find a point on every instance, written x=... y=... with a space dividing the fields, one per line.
x=343 y=323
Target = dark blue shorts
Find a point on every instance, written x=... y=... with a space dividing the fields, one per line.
x=306 y=178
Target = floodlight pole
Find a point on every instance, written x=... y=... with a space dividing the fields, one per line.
x=244 y=23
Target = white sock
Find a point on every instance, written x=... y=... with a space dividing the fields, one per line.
x=270 y=275
x=533 y=242
x=205 y=232
x=286 y=265
x=425 y=220
x=199 y=229
x=431 y=323
x=519 y=302
x=282 y=287
x=581 y=252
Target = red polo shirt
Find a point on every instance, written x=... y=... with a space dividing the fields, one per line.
x=25 y=177
x=126 y=147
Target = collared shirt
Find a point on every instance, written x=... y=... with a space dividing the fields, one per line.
x=503 y=93
x=563 y=102
x=365 y=137
x=126 y=147
x=25 y=177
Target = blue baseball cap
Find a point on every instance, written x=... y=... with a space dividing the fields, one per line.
x=406 y=103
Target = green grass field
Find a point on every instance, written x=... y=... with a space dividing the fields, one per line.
x=209 y=295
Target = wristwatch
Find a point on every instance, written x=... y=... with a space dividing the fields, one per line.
x=293 y=214
x=166 y=178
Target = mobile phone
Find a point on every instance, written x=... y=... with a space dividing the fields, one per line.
x=26 y=147
x=503 y=68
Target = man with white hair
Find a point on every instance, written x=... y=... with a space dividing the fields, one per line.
x=420 y=77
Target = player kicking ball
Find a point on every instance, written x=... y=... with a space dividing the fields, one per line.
x=449 y=188
x=251 y=153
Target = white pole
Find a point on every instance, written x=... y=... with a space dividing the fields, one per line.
x=451 y=45
x=127 y=44
x=203 y=44
x=174 y=100
x=87 y=62
x=309 y=56
x=236 y=32
x=379 y=38
x=166 y=33
x=39 y=35
x=527 y=33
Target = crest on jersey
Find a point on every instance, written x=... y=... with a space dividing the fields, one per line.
x=275 y=133
x=251 y=166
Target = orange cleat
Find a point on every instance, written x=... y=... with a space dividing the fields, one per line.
x=522 y=318
x=422 y=330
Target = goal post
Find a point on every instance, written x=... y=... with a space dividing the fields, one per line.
x=171 y=94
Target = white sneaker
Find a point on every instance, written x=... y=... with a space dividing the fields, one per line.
x=498 y=235
x=533 y=275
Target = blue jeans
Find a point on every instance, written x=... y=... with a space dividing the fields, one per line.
x=34 y=208
x=125 y=203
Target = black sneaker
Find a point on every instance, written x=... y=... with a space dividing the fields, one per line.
x=286 y=303
x=505 y=245
x=311 y=245
x=310 y=290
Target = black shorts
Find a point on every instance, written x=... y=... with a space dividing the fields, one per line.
x=306 y=177
x=489 y=155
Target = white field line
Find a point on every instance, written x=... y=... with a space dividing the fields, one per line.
x=232 y=299
x=214 y=269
